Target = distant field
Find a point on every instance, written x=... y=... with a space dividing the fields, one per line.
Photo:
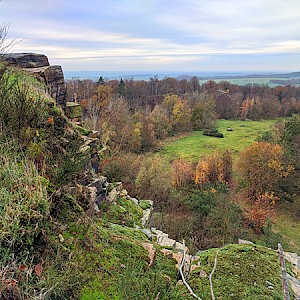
x=196 y=145
x=244 y=81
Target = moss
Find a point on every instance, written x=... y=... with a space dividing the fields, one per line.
x=124 y=212
x=73 y=110
x=83 y=130
x=144 y=204
x=241 y=273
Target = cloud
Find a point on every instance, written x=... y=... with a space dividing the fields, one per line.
x=157 y=34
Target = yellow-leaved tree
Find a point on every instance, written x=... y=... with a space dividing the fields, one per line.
x=262 y=166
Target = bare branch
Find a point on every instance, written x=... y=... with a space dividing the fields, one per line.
x=183 y=278
x=210 y=277
x=5 y=45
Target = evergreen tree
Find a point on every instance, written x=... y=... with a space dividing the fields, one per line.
x=122 y=88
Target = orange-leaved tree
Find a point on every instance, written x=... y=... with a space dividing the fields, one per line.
x=182 y=172
x=262 y=166
x=214 y=168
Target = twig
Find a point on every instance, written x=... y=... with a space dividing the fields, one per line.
x=210 y=277
x=183 y=279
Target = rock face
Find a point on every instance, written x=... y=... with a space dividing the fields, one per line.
x=38 y=65
x=26 y=60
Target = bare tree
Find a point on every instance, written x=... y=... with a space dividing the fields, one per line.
x=5 y=44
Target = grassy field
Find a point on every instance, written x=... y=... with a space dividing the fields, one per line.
x=246 y=80
x=196 y=145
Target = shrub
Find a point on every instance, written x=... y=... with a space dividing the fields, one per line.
x=153 y=180
x=24 y=105
x=214 y=168
x=262 y=167
x=123 y=167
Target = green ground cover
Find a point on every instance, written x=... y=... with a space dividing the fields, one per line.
x=196 y=145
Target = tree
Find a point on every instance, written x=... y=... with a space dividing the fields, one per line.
x=161 y=122
x=5 y=46
x=203 y=113
x=262 y=166
x=100 y=81
x=182 y=173
x=122 y=88
x=181 y=116
x=214 y=168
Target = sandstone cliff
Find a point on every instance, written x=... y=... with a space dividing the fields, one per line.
x=38 y=64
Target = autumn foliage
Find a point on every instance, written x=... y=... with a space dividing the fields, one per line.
x=262 y=210
x=182 y=173
x=214 y=168
x=262 y=167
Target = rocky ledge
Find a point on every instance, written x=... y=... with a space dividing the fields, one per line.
x=38 y=65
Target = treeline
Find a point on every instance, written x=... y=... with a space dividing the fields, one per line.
x=134 y=115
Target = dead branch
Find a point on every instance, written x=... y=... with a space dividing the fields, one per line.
x=210 y=277
x=183 y=278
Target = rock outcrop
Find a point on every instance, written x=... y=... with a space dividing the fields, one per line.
x=26 y=60
x=38 y=65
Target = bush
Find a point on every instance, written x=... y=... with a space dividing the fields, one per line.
x=153 y=180
x=24 y=105
x=123 y=167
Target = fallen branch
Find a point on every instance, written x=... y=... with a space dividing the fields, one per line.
x=210 y=277
x=183 y=278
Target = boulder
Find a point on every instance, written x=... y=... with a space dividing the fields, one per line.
x=165 y=241
x=146 y=217
x=295 y=285
x=148 y=233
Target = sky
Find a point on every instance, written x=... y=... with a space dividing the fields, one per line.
x=158 y=35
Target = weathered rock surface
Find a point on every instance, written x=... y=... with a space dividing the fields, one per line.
x=151 y=253
x=26 y=60
x=295 y=285
x=245 y=242
x=54 y=79
x=38 y=65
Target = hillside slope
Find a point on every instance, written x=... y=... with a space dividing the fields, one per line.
x=65 y=233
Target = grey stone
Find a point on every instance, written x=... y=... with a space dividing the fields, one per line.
x=136 y=201
x=180 y=247
x=112 y=195
x=148 y=233
x=241 y=242
x=146 y=217
x=165 y=241
x=38 y=65
x=203 y=274
x=295 y=285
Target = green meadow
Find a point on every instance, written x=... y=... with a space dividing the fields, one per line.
x=196 y=145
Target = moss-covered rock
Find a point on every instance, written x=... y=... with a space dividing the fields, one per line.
x=73 y=110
